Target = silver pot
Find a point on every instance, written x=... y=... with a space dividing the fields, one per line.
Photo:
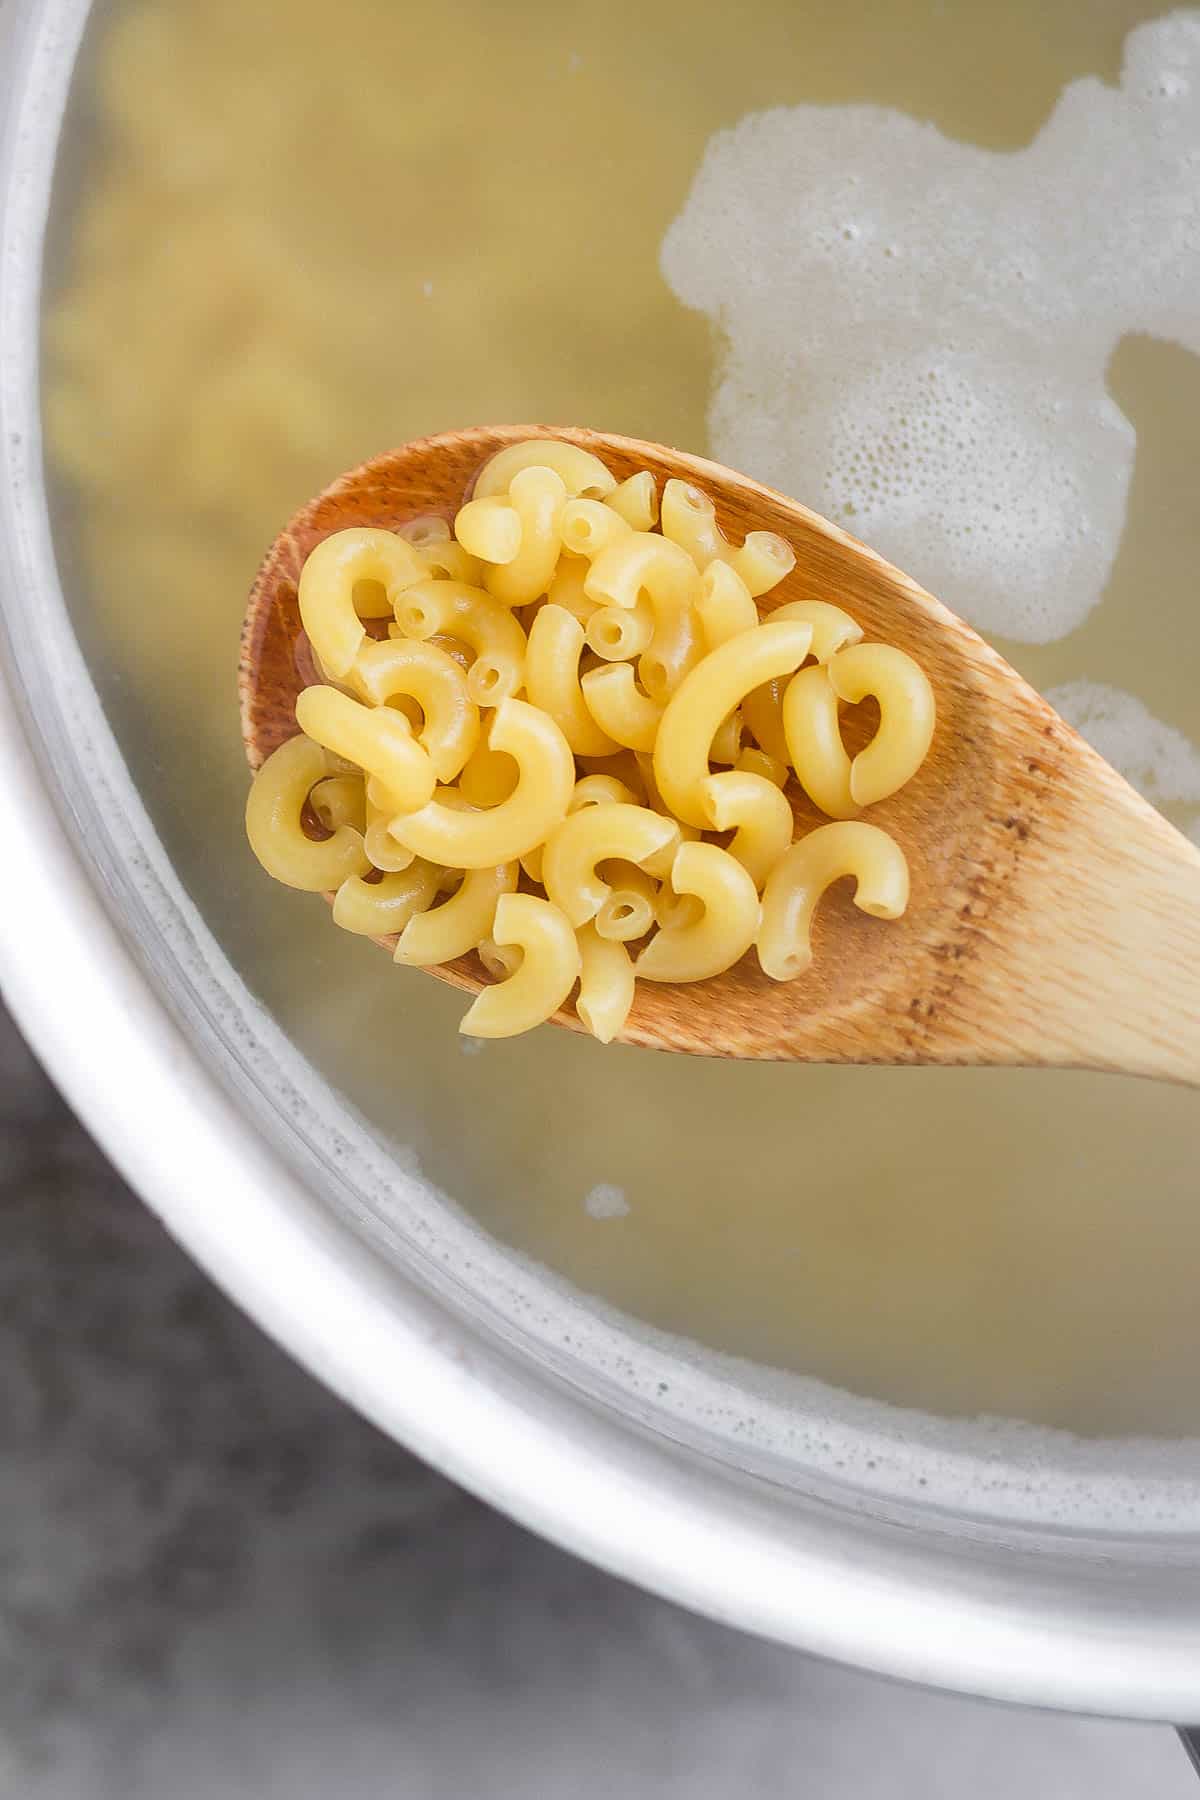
x=185 y=1081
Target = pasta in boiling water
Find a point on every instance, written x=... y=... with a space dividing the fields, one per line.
x=569 y=706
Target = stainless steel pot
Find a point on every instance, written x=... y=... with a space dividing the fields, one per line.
x=106 y=966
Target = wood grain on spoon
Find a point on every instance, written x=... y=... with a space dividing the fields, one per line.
x=1054 y=917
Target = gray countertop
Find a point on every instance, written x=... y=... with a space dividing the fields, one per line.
x=218 y=1583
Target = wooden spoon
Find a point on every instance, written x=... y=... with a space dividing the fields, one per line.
x=1054 y=917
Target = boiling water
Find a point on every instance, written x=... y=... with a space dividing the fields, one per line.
x=933 y=269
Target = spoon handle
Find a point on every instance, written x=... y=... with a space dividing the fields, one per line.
x=1087 y=952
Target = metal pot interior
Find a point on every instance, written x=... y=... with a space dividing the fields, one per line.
x=938 y=1322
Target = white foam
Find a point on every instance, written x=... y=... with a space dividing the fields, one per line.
x=1154 y=757
x=917 y=330
x=606 y=1201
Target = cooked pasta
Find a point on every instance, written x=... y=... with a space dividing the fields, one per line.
x=501 y=833
x=725 y=929
x=569 y=707
x=631 y=905
x=350 y=575
x=454 y=609
x=620 y=707
x=619 y=633
x=725 y=605
x=275 y=827
x=587 y=838
x=567 y=590
x=552 y=680
x=587 y=527
x=340 y=800
x=606 y=983
x=806 y=869
x=579 y=471
x=757 y=813
x=548 y=970
x=906 y=712
x=398 y=667
x=536 y=495
x=375 y=737
x=379 y=908
x=719 y=683
x=814 y=742
x=636 y=500
x=459 y=923
x=689 y=519
x=489 y=529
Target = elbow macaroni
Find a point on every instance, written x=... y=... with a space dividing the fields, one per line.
x=547 y=972
x=550 y=660
x=725 y=929
x=719 y=683
x=589 y=837
x=454 y=609
x=636 y=500
x=536 y=496
x=501 y=833
x=606 y=983
x=803 y=873
x=552 y=680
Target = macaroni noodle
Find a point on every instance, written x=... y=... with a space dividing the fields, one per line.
x=552 y=680
x=587 y=527
x=376 y=738
x=454 y=609
x=591 y=790
x=274 y=809
x=379 y=908
x=758 y=815
x=618 y=633
x=906 y=716
x=567 y=589
x=605 y=983
x=350 y=569
x=340 y=800
x=726 y=605
x=814 y=740
x=718 y=684
x=762 y=710
x=480 y=840
x=579 y=471
x=536 y=495
x=832 y=628
x=451 y=562
x=689 y=519
x=385 y=853
x=426 y=530
x=636 y=500
x=757 y=762
x=725 y=929
x=489 y=529
x=620 y=708
x=629 y=908
x=406 y=667
x=803 y=873
x=589 y=837
x=548 y=969
x=459 y=923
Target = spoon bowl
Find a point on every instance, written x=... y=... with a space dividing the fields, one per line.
x=1054 y=916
